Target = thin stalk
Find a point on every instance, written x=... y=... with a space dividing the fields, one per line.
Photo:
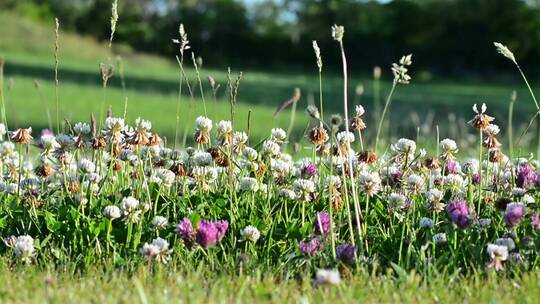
x=180 y=62
x=510 y=124
x=385 y=109
x=200 y=82
x=535 y=103
x=56 y=84
x=2 y=100
x=351 y=168
x=480 y=172
x=321 y=98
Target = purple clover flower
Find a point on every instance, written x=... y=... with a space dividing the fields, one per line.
x=535 y=221
x=310 y=247
x=322 y=220
x=476 y=179
x=207 y=233
x=186 y=232
x=221 y=227
x=345 y=253
x=459 y=213
x=452 y=166
x=514 y=213
x=525 y=175
x=310 y=170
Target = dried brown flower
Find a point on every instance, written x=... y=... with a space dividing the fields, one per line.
x=481 y=120
x=432 y=163
x=22 y=136
x=318 y=136
x=369 y=157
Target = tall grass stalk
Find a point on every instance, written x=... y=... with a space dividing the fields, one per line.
x=114 y=20
x=377 y=90
x=178 y=103
x=183 y=43
x=2 y=100
x=120 y=65
x=319 y=66
x=200 y=81
x=511 y=124
x=383 y=114
x=56 y=63
x=47 y=110
x=337 y=32
x=503 y=50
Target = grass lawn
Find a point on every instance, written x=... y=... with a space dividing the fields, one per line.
x=163 y=286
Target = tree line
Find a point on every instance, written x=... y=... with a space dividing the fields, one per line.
x=446 y=36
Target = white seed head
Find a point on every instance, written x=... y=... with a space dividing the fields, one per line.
x=503 y=50
x=337 y=32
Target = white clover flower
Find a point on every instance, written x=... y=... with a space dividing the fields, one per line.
x=7 y=147
x=404 y=146
x=24 y=247
x=369 y=182
x=203 y=124
x=470 y=166
x=426 y=223
x=251 y=233
x=142 y=124
x=497 y=254
x=159 y=222
x=66 y=142
x=439 y=238
x=49 y=143
x=327 y=277
x=287 y=193
x=224 y=127
x=334 y=181
x=240 y=138
x=114 y=124
x=86 y=166
x=270 y=148
x=397 y=200
x=202 y=158
x=82 y=128
x=250 y=153
x=454 y=181
x=507 y=242
x=249 y=184
x=415 y=183
x=130 y=208
x=434 y=195
x=165 y=176
x=112 y=212
x=492 y=130
x=345 y=138
x=304 y=188
x=157 y=251
x=448 y=146
x=278 y=135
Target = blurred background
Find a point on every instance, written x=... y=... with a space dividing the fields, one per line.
x=454 y=64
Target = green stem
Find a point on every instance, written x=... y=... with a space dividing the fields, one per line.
x=385 y=109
